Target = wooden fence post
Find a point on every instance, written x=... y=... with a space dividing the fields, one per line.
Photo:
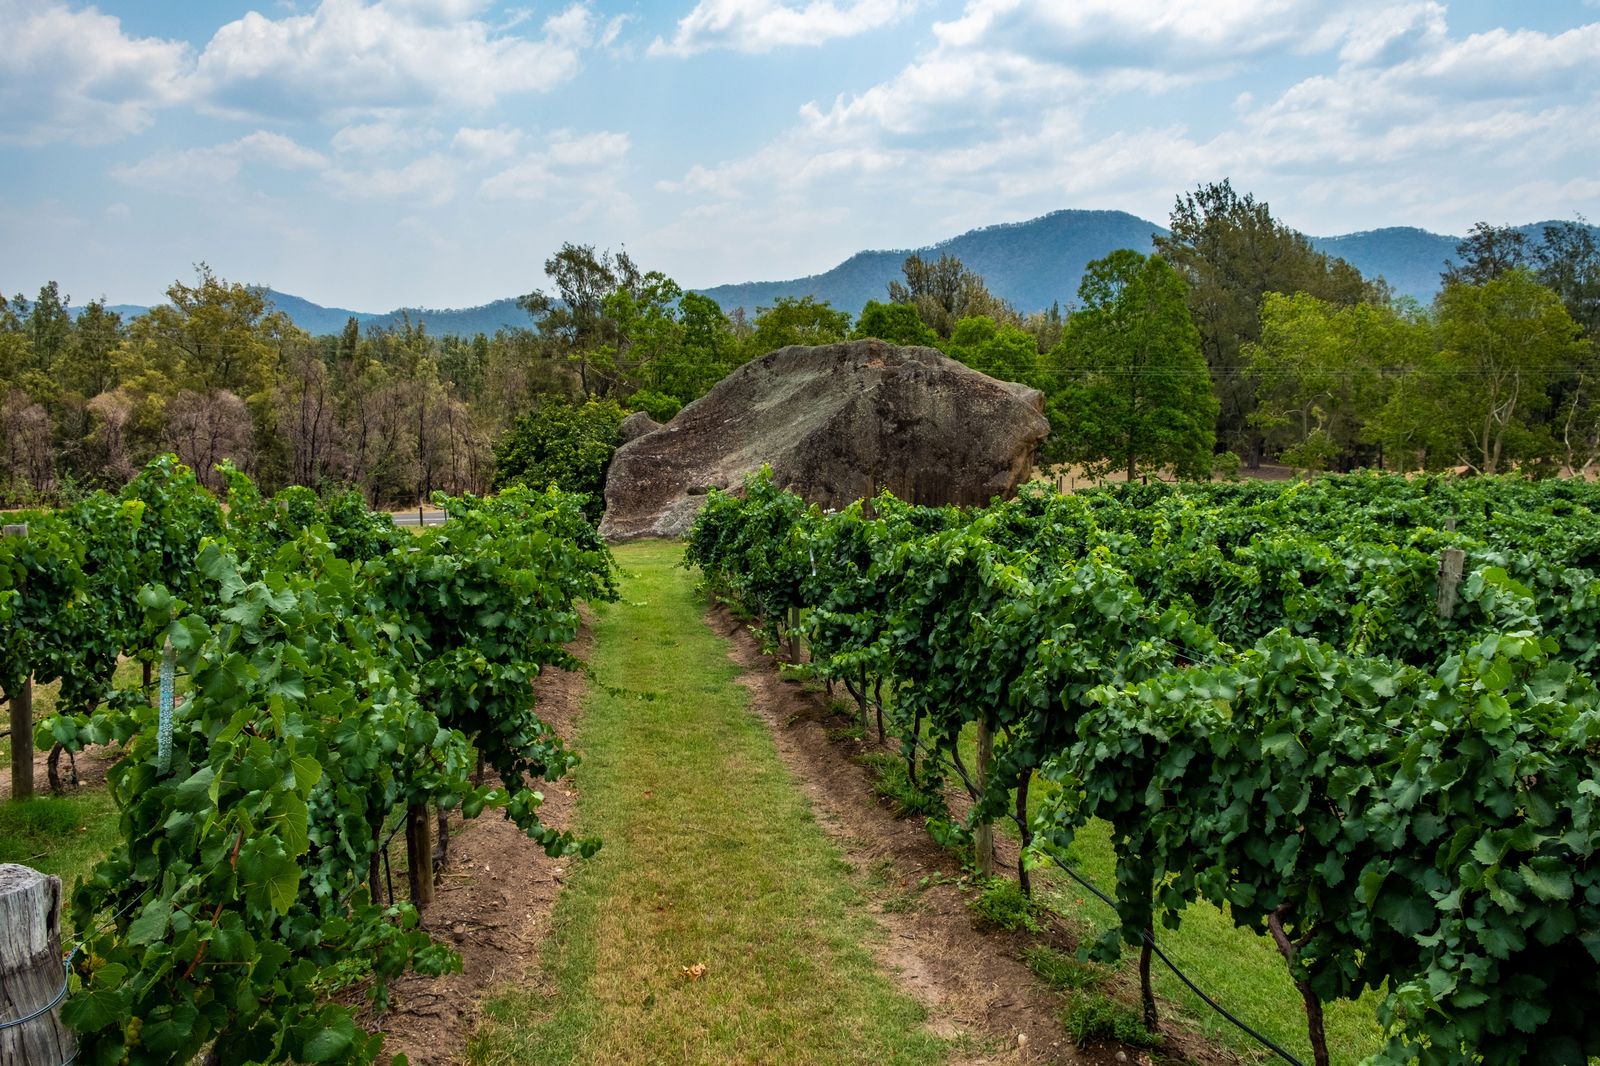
x=21 y=722
x=983 y=832
x=419 y=854
x=33 y=981
x=1452 y=562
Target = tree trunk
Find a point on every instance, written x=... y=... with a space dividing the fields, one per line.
x=1314 y=1028
x=877 y=703
x=1147 y=992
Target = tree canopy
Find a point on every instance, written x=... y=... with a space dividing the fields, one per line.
x=1132 y=389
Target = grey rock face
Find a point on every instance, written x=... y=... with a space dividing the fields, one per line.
x=637 y=425
x=836 y=423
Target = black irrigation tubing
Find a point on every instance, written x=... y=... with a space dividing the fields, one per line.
x=1155 y=948
x=383 y=849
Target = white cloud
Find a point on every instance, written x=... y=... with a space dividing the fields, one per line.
x=763 y=25
x=1179 y=38
x=1023 y=106
x=380 y=138
x=487 y=144
x=354 y=57
x=430 y=180
x=568 y=165
x=209 y=170
x=76 y=76
x=1383 y=36
x=587 y=150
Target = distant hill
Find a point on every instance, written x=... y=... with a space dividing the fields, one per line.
x=1409 y=259
x=318 y=320
x=466 y=321
x=1032 y=264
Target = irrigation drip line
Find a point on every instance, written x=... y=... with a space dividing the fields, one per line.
x=1156 y=950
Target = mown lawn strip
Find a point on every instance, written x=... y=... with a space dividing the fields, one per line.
x=712 y=859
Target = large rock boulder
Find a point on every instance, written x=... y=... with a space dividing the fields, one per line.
x=836 y=423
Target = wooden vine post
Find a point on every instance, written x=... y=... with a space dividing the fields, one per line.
x=1452 y=563
x=33 y=981
x=983 y=832
x=21 y=723
x=419 y=854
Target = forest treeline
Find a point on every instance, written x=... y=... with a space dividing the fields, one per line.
x=1235 y=342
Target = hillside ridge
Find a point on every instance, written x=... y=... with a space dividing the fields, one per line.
x=1032 y=263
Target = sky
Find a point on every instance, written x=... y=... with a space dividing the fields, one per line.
x=371 y=154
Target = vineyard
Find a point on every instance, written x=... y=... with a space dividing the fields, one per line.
x=327 y=681
x=1357 y=713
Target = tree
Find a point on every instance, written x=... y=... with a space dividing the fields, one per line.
x=1133 y=388
x=791 y=320
x=563 y=444
x=1486 y=253
x=88 y=367
x=216 y=335
x=1323 y=372
x=1569 y=263
x=206 y=428
x=1232 y=252
x=1006 y=352
x=50 y=326
x=1480 y=401
x=575 y=320
x=944 y=291
x=895 y=323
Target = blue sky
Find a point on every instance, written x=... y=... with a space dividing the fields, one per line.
x=377 y=153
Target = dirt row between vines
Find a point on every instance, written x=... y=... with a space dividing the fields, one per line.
x=492 y=904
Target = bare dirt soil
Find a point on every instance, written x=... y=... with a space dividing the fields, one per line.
x=492 y=904
x=92 y=764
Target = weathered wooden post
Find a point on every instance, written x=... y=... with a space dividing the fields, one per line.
x=33 y=981
x=1452 y=562
x=983 y=832
x=419 y=854
x=21 y=722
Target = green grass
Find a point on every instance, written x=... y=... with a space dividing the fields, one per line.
x=60 y=835
x=1239 y=969
x=711 y=857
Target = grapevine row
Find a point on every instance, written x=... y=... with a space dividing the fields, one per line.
x=1254 y=689
x=338 y=671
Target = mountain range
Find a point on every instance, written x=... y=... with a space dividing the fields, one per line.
x=1032 y=264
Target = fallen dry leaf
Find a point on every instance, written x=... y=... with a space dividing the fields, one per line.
x=695 y=972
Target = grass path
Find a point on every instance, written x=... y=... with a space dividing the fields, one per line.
x=711 y=858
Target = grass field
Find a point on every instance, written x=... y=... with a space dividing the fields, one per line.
x=712 y=858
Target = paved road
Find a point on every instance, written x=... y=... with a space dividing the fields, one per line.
x=413 y=518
